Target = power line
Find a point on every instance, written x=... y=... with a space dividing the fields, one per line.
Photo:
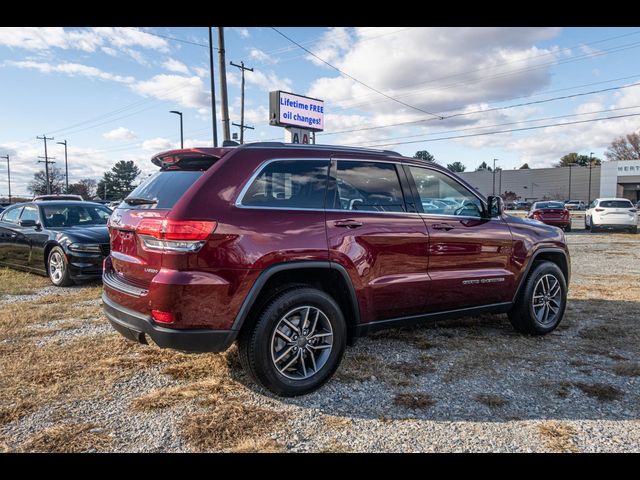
x=564 y=97
x=167 y=37
x=508 y=131
x=556 y=117
x=355 y=79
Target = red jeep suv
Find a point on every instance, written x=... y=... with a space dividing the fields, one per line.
x=295 y=251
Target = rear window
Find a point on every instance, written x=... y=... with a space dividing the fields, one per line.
x=549 y=205
x=289 y=184
x=164 y=187
x=367 y=186
x=615 y=204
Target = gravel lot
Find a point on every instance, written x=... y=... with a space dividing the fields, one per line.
x=468 y=385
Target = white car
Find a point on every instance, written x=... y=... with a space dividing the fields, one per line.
x=611 y=213
x=574 y=205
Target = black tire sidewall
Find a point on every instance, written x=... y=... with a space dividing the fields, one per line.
x=260 y=341
x=541 y=270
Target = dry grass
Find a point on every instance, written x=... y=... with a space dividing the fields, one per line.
x=230 y=426
x=414 y=401
x=600 y=391
x=15 y=411
x=627 y=369
x=15 y=282
x=251 y=445
x=363 y=366
x=557 y=436
x=490 y=400
x=333 y=422
x=335 y=447
x=68 y=438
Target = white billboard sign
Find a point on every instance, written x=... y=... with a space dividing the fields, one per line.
x=291 y=110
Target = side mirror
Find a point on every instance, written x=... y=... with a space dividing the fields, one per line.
x=495 y=205
x=28 y=223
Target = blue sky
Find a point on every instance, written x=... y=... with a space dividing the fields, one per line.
x=108 y=91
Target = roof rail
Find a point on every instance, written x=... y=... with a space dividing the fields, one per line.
x=318 y=146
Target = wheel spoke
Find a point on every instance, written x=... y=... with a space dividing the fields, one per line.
x=306 y=318
x=291 y=326
x=313 y=359
x=304 y=367
x=315 y=322
x=284 y=354
x=320 y=347
x=281 y=333
x=295 y=357
x=320 y=335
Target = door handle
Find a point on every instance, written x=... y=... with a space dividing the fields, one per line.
x=347 y=223
x=443 y=226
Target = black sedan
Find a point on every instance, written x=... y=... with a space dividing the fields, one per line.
x=66 y=240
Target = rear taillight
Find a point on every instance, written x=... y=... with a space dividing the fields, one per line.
x=537 y=216
x=174 y=235
x=599 y=209
x=163 y=317
x=565 y=213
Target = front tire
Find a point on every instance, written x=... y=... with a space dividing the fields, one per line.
x=541 y=302
x=58 y=268
x=297 y=342
x=567 y=228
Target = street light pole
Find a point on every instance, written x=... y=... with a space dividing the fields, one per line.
x=8 y=176
x=590 y=165
x=181 y=134
x=66 y=165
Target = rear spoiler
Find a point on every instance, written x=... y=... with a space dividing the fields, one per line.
x=191 y=159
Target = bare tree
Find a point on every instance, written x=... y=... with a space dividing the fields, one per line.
x=626 y=147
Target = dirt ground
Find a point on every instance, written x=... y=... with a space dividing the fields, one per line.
x=69 y=383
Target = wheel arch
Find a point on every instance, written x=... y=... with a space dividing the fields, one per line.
x=554 y=255
x=324 y=275
x=47 y=249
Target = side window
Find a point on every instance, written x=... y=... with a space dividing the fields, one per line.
x=367 y=186
x=11 y=214
x=289 y=184
x=593 y=204
x=442 y=195
x=30 y=213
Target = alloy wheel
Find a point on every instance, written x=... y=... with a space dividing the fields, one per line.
x=56 y=267
x=301 y=342
x=547 y=300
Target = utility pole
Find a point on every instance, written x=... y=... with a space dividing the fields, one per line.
x=590 y=165
x=8 y=176
x=500 y=183
x=213 y=91
x=242 y=69
x=46 y=161
x=223 y=86
x=66 y=165
x=570 y=165
x=242 y=129
x=494 y=175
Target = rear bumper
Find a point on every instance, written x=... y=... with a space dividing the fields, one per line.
x=557 y=222
x=135 y=326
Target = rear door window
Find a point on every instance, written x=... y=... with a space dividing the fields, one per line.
x=11 y=214
x=30 y=212
x=615 y=204
x=289 y=184
x=367 y=186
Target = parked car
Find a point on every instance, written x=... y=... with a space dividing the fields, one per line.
x=295 y=251
x=523 y=205
x=575 y=205
x=611 y=213
x=47 y=198
x=510 y=205
x=66 y=240
x=551 y=213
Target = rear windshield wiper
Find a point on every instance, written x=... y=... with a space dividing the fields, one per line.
x=140 y=201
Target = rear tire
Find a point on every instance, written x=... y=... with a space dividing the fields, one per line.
x=594 y=228
x=541 y=302
x=58 y=268
x=277 y=338
x=567 y=228
x=633 y=229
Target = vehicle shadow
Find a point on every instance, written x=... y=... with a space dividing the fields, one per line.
x=479 y=369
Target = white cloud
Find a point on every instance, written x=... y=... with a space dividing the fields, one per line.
x=72 y=69
x=185 y=91
x=268 y=81
x=243 y=32
x=174 y=65
x=433 y=68
x=159 y=144
x=261 y=56
x=120 y=133
x=201 y=71
x=85 y=39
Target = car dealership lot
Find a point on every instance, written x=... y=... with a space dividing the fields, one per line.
x=69 y=383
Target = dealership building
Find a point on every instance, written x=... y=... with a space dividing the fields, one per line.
x=611 y=179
